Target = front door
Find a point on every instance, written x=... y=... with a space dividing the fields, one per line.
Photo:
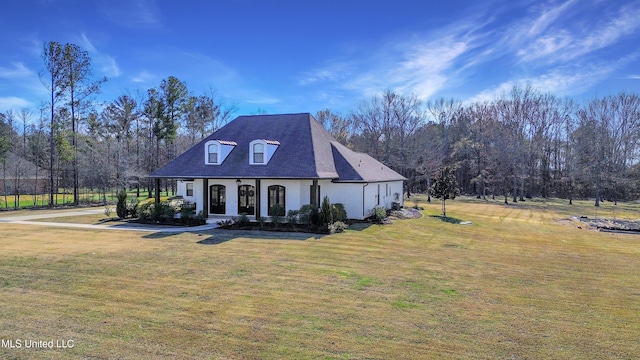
x=218 y=199
x=247 y=199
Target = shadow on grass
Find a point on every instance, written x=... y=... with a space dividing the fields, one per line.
x=160 y=235
x=447 y=219
x=219 y=236
x=359 y=226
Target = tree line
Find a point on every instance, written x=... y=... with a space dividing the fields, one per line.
x=524 y=143
x=81 y=145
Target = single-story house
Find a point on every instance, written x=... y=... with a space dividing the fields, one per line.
x=255 y=162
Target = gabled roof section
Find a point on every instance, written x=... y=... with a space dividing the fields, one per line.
x=306 y=151
x=359 y=167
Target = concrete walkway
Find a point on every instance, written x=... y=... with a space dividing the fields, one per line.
x=44 y=214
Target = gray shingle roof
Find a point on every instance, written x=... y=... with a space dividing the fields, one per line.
x=306 y=151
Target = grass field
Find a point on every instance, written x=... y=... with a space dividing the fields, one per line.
x=518 y=283
x=63 y=199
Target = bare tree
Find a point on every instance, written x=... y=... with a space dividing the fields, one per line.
x=338 y=126
x=54 y=79
x=80 y=85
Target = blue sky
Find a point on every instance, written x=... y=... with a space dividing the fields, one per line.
x=304 y=56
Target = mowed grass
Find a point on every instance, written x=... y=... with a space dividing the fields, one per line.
x=516 y=283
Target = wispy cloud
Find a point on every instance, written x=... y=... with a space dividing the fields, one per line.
x=17 y=70
x=143 y=77
x=548 y=15
x=107 y=64
x=420 y=65
x=131 y=13
x=13 y=103
x=264 y=101
x=334 y=71
x=559 y=81
x=556 y=42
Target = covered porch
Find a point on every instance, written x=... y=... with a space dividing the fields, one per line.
x=223 y=198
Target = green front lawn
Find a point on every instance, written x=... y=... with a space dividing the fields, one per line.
x=520 y=282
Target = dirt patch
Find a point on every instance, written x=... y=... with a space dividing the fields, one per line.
x=618 y=225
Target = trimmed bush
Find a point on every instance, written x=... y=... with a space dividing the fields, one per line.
x=187 y=212
x=277 y=212
x=337 y=227
x=121 y=205
x=292 y=216
x=132 y=207
x=339 y=213
x=326 y=212
x=242 y=220
x=305 y=214
x=379 y=214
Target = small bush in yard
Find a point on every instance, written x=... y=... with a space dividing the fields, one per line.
x=121 y=205
x=339 y=213
x=242 y=220
x=305 y=214
x=292 y=216
x=379 y=214
x=337 y=227
x=108 y=210
x=277 y=212
x=132 y=207
x=326 y=212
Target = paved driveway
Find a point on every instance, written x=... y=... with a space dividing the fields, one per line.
x=45 y=214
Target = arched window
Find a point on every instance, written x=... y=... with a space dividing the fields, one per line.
x=258 y=153
x=276 y=196
x=213 y=154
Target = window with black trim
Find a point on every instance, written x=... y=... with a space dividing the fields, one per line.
x=189 y=189
x=276 y=196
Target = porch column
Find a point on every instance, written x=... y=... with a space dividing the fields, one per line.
x=257 y=198
x=314 y=194
x=157 y=191
x=205 y=197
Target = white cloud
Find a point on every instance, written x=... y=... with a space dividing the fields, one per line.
x=107 y=64
x=557 y=81
x=264 y=101
x=17 y=70
x=565 y=41
x=418 y=66
x=547 y=17
x=131 y=13
x=110 y=66
x=333 y=72
x=13 y=103
x=143 y=77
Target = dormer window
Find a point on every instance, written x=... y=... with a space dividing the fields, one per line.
x=261 y=151
x=258 y=153
x=216 y=151
x=213 y=154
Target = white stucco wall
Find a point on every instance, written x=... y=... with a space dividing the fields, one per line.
x=181 y=190
x=298 y=191
x=292 y=194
